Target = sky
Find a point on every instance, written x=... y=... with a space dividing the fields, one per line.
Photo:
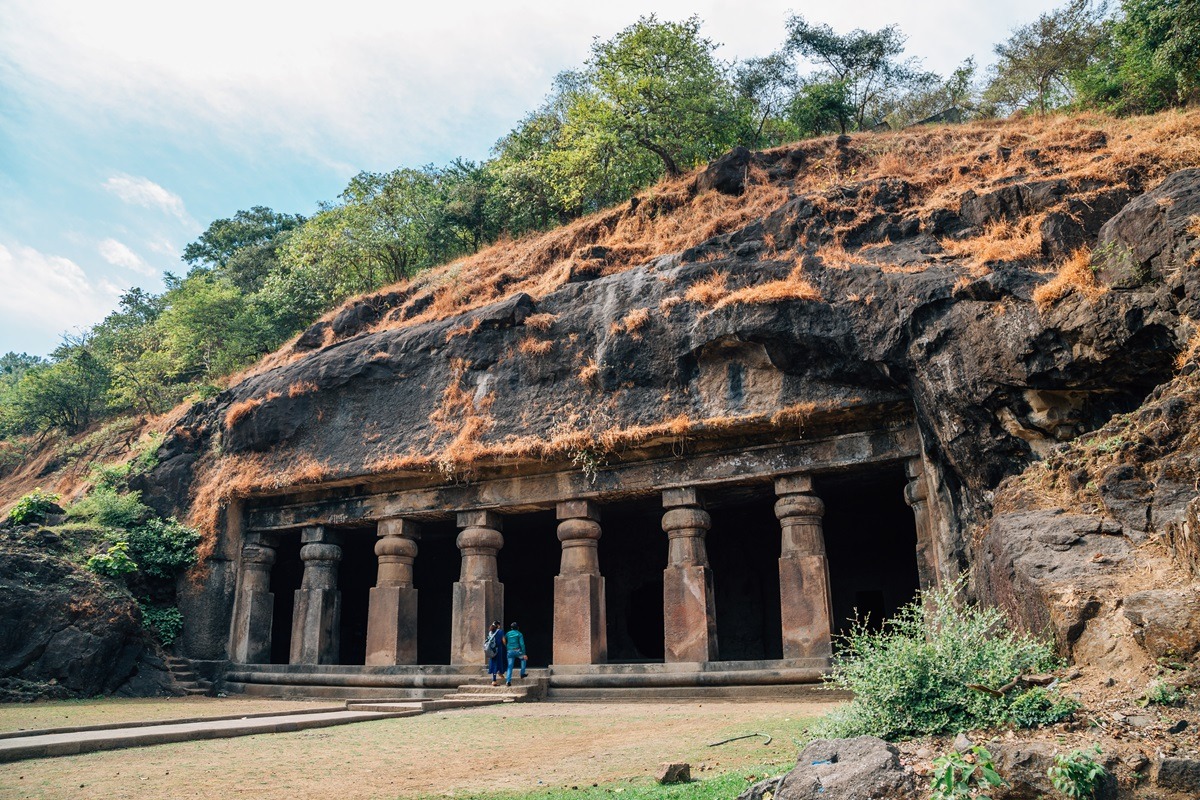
x=127 y=126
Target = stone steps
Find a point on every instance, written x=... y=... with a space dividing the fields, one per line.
x=186 y=678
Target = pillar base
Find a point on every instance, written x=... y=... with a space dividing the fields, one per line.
x=804 y=596
x=580 y=629
x=689 y=616
x=392 y=626
x=474 y=606
x=252 y=640
x=315 y=626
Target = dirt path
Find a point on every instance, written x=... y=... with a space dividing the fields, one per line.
x=512 y=747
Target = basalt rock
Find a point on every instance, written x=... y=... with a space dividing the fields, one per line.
x=1154 y=235
x=862 y=768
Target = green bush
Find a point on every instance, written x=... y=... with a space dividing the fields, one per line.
x=1076 y=774
x=115 y=563
x=163 y=548
x=1038 y=707
x=165 y=622
x=111 y=508
x=911 y=677
x=33 y=507
x=1162 y=693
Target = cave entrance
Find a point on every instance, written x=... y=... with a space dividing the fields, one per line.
x=633 y=555
x=527 y=565
x=356 y=575
x=435 y=570
x=871 y=540
x=285 y=580
x=743 y=549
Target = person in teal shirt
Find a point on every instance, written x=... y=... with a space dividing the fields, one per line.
x=514 y=640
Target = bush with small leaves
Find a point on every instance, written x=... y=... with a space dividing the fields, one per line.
x=1038 y=706
x=115 y=563
x=912 y=677
x=163 y=548
x=34 y=507
x=1077 y=774
x=1162 y=693
x=963 y=776
x=165 y=622
x=110 y=507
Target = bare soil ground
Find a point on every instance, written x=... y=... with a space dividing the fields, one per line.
x=458 y=753
x=115 y=711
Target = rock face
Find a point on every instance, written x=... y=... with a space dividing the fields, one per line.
x=862 y=768
x=837 y=303
x=64 y=633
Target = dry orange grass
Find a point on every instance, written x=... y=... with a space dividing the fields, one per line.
x=463 y=329
x=530 y=346
x=631 y=323
x=300 y=388
x=1000 y=242
x=242 y=409
x=540 y=322
x=835 y=256
x=588 y=372
x=667 y=304
x=1074 y=275
x=708 y=291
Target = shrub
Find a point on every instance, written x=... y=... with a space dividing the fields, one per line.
x=165 y=622
x=958 y=776
x=1162 y=693
x=163 y=548
x=115 y=564
x=1076 y=774
x=34 y=507
x=111 y=508
x=911 y=677
x=1038 y=707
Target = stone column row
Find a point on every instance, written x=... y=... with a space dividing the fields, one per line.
x=580 y=637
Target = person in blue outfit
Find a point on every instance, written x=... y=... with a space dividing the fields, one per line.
x=493 y=648
x=514 y=641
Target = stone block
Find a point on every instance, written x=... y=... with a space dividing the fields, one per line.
x=673 y=772
x=1179 y=774
x=687 y=496
x=480 y=519
x=794 y=484
x=578 y=509
x=580 y=630
x=392 y=626
x=805 y=607
x=398 y=526
x=474 y=604
x=316 y=621
x=689 y=614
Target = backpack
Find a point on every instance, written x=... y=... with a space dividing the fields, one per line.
x=490 y=647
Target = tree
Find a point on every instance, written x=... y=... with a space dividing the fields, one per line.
x=768 y=85
x=1037 y=62
x=243 y=248
x=66 y=394
x=865 y=64
x=956 y=94
x=821 y=107
x=659 y=88
x=1150 y=61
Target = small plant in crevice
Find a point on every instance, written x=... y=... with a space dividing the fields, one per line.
x=1077 y=774
x=962 y=776
x=1038 y=707
x=34 y=507
x=165 y=622
x=1161 y=693
x=113 y=563
x=589 y=462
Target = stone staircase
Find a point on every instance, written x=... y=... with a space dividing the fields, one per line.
x=186 y=678
x=476 y=693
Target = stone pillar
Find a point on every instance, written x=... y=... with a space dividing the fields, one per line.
x=250 y=633
x=689 y=605
x=478 y=594
x=807 y=609
x=392 y=615
x=318 y=612
x=580 y=630
x=916 y=494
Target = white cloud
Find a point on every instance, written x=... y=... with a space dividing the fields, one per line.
x=148 y=194
x=45 y=295
x=118 y=254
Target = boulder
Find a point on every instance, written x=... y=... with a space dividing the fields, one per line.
x=1023 y=766
x=63 y=631
x=862 y=768
x=1149 y=238
x=727 y=174
x=674 y=772
x=1179 y=774
x=1165 y=621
